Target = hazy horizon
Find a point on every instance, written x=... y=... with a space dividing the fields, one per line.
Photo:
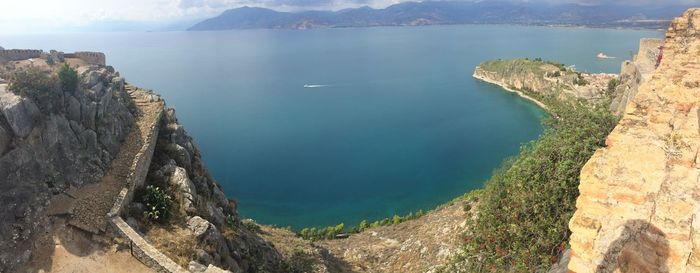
x=44 y=16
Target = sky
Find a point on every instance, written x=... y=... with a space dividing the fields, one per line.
x=22 y=16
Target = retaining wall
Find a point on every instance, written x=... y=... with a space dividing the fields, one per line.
x=140 y=248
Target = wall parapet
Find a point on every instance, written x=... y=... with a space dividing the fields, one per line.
x=89 y=57
x=141 y=249
x=19 y=54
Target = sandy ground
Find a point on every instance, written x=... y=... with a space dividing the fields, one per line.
x=71 y=250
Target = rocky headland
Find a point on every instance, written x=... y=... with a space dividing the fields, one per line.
x=86 y=158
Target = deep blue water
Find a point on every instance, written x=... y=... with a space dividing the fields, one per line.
x=398 y=125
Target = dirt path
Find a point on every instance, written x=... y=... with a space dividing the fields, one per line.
x=76 y=241
x=71 y=250
x=94 y=201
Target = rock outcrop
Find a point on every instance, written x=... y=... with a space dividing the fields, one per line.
x=534 y=78
x=639 y=200
x=45 y=151
x=633 y=73
x=205 y=216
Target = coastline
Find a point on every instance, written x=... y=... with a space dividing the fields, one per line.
x=519 y=93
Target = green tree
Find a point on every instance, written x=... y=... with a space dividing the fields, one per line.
x=396 y=219
x=363 y=225
x=69 y=78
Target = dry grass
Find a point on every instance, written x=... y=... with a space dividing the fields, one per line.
x=174 y=241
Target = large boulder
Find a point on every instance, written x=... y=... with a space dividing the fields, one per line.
x=19 y=112
x=186 y=192
x=198 y=226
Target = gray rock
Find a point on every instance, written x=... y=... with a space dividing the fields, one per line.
x=89 y=112
x=118 y=83
x=186 y=192
x=5 y=140
x=562 y=264
x=180 y=154
x=203 y=257
x=137 y=209
x=216 y=213
x=91 y=78
x=89 y=138
x=73 y=109
x=196 y=267
x=19 y=112
x=36 y=148
x=198 y=226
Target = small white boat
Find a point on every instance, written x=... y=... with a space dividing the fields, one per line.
x=314 y=85
x=602 y=55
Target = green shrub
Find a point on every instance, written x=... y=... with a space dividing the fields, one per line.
x=299 y=262
x=251 y=225
x=612 y=85
x=524 y=209
x=40 y=87
x=330 y=232
x=157 y=204
x=69 y=78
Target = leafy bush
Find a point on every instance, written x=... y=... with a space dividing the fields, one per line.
x=612 y=85
x=300 y=262
x=322 y=233
x=251 y=225
x=40 y=87
x=330 y=232
x=157 y=204
x=524 y=209
x=69 y=78
x=579 y=80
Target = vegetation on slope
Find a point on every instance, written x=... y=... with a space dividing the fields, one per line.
x=332 y=232
x=44 y=88
x=521 y=223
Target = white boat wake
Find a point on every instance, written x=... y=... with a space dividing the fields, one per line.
x=314 y=85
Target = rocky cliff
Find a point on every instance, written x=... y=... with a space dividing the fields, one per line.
x=66 y=152
x=49 y=144
x=633 y=73
x=639 y=200
x=205 y=228
x=534 y=79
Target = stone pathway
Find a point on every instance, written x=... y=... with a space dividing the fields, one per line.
x=92 y=202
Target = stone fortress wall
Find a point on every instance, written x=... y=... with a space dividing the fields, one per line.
x=19 y=54
x=97 y=58
x=94 y=58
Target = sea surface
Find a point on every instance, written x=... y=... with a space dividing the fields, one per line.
x=318 y=127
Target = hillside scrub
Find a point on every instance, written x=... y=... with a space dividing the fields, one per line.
x=41 y=87
x=521 y=223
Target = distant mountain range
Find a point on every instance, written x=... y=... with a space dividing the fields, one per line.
x=450 y=12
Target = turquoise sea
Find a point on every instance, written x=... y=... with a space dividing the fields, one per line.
x=317 y=127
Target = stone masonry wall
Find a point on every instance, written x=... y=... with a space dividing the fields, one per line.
x=140 y=248
x=19 y=54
